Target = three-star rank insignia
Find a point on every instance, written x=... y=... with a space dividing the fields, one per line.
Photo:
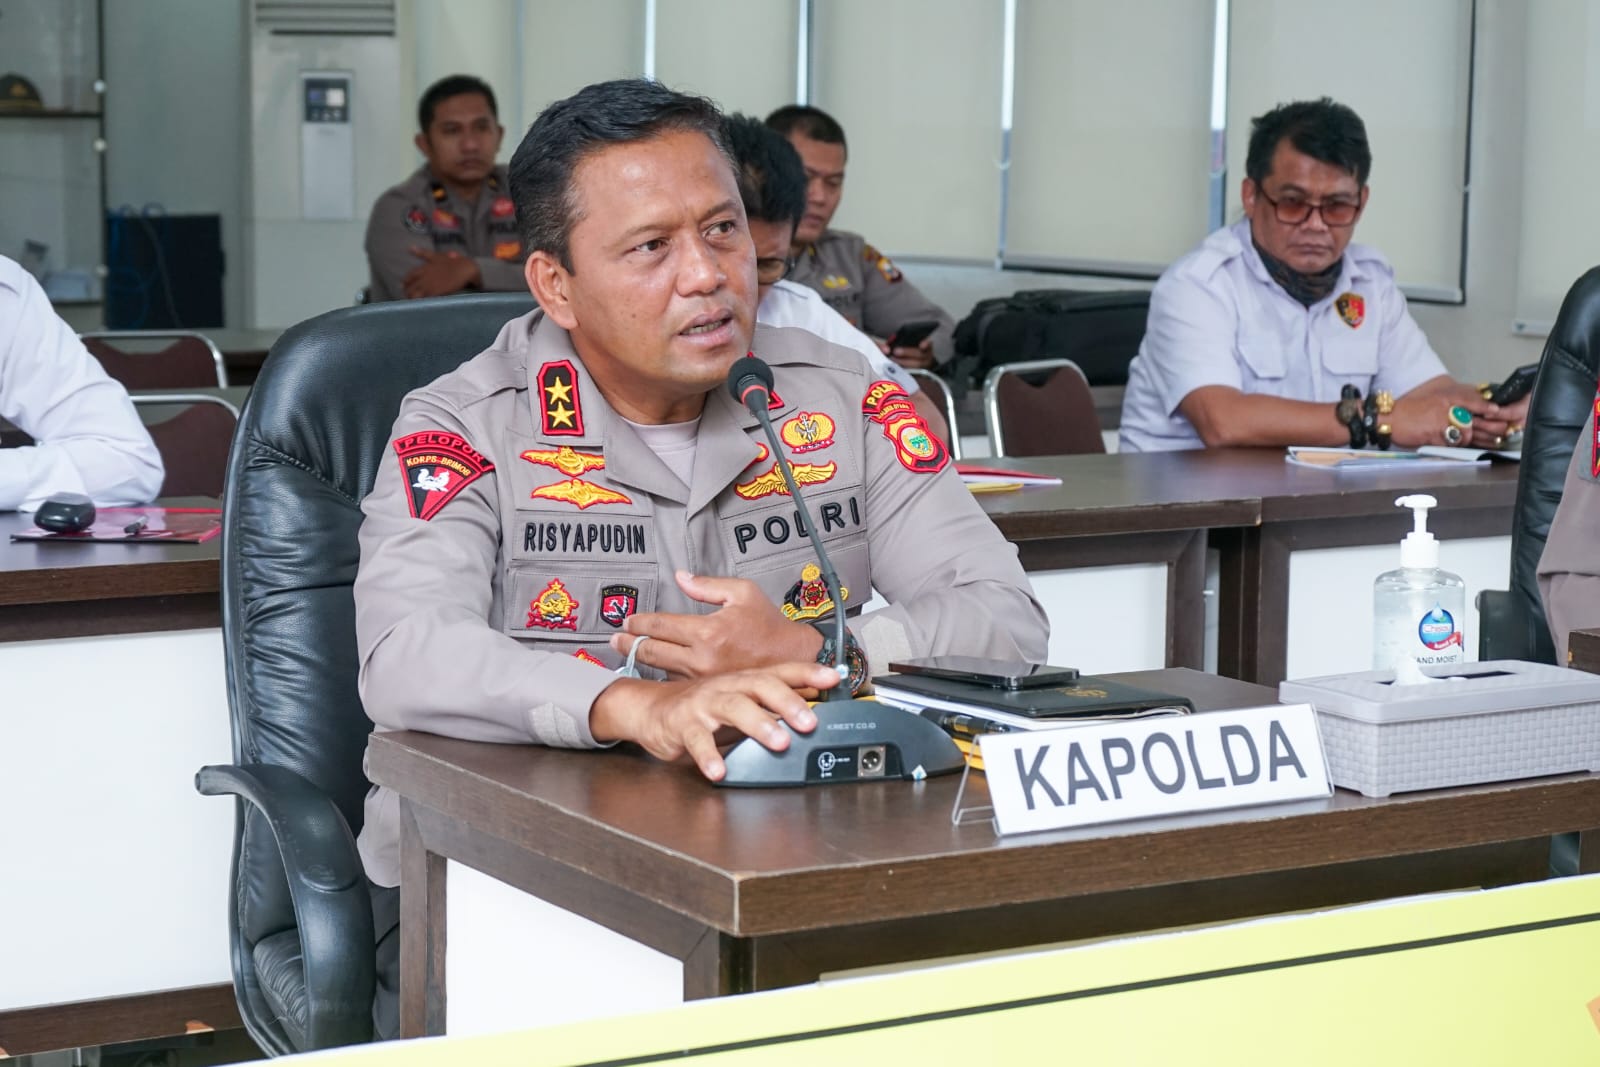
x=808 y=598
x=560 y=411
x=771 y=480
x=583 y=494
x=566 y=459
x=1352 y=309
x=436 y=466
x=617 y=602
x=807 y=432
x=554 y=608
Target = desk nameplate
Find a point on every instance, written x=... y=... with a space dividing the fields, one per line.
x=1135 y=769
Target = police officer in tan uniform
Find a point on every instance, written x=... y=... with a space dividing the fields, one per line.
x=856 y=280
x=586 y=488
x=1569 y=569
x=450 y=227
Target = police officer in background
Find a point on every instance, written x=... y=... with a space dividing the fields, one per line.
x=451 y=226
x=856 y=280
x=1253 y=336
x=772 y=182
x=1569 y=569
x=587 y=489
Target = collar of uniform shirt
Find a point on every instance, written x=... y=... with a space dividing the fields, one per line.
x=1306 y=288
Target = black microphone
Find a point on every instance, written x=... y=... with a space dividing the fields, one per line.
x=751 y=383
x=854 y=740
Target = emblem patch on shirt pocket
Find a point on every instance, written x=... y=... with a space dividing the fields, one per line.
x=584 y=602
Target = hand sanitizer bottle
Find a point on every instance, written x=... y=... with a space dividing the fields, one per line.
x=1419 y=610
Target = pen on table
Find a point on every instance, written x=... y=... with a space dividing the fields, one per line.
x=133 y=528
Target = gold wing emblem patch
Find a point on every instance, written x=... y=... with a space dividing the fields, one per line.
x=772 y=482
x=566 y=459
x=579 y=492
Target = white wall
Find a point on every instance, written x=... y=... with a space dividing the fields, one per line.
x=175 y=117
x=1475 y=339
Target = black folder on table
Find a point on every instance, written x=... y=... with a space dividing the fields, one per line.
x=1088 y=697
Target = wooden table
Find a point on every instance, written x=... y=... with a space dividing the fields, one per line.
x=761 y=889
x=1308 y=509
x=1583 y=650
x=52 y=595
x=1121 y=509
x=1254 y=508
x=79 y=590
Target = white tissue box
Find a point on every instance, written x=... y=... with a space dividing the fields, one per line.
x=1482 y=722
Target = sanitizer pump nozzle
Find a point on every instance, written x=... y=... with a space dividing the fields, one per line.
x=1419 y=548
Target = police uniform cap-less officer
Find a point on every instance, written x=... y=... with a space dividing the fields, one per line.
x=865 y=286
x=519 y=522
x=421 y=212
x=1217 y=317
x=1569 y=568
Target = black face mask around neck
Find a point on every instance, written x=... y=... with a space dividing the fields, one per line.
x=1306 y=288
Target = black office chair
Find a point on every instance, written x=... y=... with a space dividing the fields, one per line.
x=1511 y=623
x=313 y=432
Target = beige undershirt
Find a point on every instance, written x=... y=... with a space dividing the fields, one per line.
x=673 y=443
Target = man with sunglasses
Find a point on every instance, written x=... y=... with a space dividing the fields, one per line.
x=1278 y=331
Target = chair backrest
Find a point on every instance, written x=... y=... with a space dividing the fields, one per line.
x=190 y=361
x=1054 y=418
x=1562 y=403
x=194 y=442
x=939 y=392
x=315 y=428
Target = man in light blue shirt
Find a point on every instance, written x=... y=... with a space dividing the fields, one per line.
x=1252 y=336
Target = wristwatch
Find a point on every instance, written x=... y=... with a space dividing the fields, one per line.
x=1348 y=412
x=854 y=657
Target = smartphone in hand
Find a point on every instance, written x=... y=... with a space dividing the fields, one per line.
x=1514 y=388
x=912 y=334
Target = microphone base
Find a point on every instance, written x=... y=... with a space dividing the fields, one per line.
x=854 y=741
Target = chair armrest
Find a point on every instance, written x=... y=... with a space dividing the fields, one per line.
x=333 y=909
